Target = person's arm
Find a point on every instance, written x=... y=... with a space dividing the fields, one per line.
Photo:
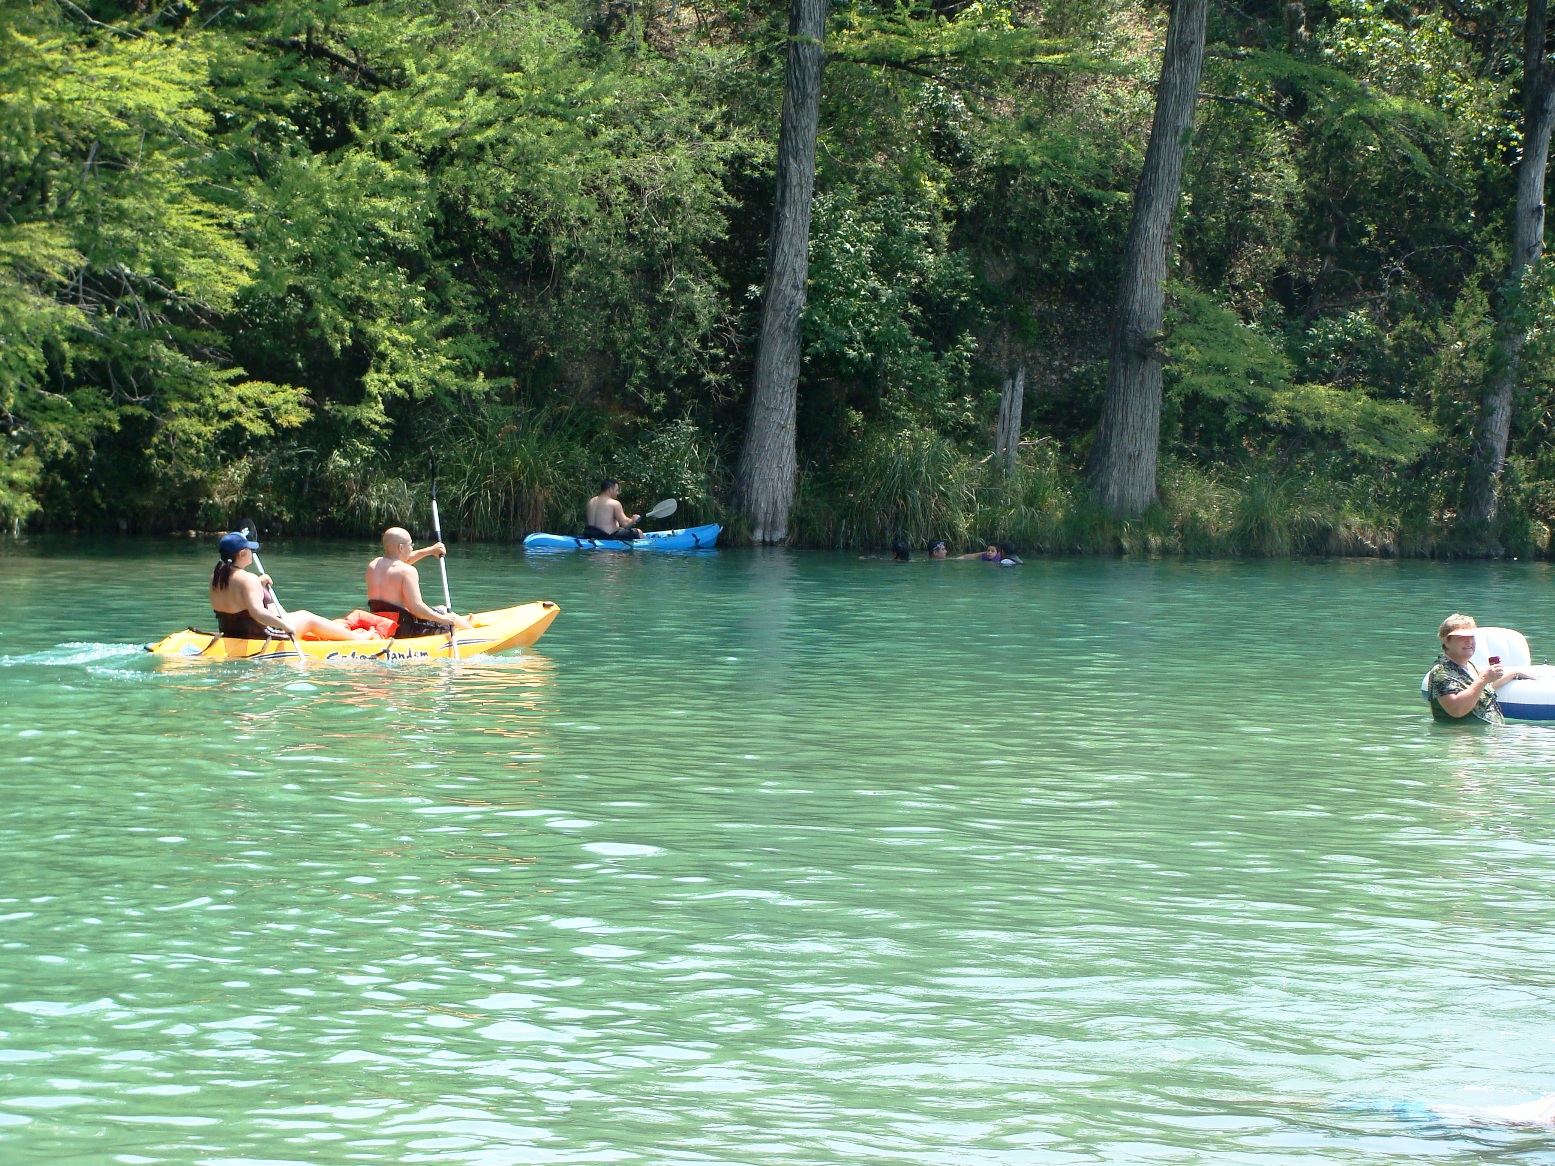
x=1498 y=685
x=437 y=549
x=618 y=515
x=1462 y=702
x=254 y=595
x=410 y=592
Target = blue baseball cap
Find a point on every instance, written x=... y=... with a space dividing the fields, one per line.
x=231 y=544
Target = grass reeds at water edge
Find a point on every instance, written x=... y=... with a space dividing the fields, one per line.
x=923 y=487
x=503 y=473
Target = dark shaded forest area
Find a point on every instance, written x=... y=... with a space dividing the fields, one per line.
x=301 y=259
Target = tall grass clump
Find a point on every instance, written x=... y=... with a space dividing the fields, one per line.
x=1260 y=513
x=908 y=483
x=1026 y=504
x=1272 y=516
x=510 y=472
x=365 y=496
x=1196 y=508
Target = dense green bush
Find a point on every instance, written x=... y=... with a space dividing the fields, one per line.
x=303 y=260
x=673 y=460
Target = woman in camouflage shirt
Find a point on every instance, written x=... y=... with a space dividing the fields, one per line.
x=1456 y=687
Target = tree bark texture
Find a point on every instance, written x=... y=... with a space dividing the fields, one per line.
x=1007 y=432
x=1494 y=425
x=769 y=462
x=1122 y=465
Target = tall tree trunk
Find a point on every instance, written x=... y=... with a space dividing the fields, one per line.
x=1006 y=439
x=769 y=463
x=1478 y=507
x=1123 y=461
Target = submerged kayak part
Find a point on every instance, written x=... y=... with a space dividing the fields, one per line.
x=494 y=631
x=1520 y=700
x=687 y=538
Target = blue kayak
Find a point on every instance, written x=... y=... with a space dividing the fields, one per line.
x=687 y=538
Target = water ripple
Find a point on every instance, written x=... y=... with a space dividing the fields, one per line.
x=775 y=858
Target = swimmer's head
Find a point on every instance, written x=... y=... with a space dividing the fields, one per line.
x=1456 y=625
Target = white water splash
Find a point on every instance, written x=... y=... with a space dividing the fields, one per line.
x=74 y=655
x=1540 y=1112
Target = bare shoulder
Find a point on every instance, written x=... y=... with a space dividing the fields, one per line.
x=248 y=586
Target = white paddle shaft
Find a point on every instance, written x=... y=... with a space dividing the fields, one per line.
x=442 y=566
x=301 y=659
x=437 y=536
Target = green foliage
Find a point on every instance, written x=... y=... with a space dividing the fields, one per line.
x=673 y=460
x=510 y=472
x=578 y=191
x=119 y=262
x=1231 y=382
x=302 y=258
x=1223 y=373
x=1388 y=431
x=912 y=483
x=980 y=47
x=880 y=275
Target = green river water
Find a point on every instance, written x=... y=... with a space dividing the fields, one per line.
x=770 y=857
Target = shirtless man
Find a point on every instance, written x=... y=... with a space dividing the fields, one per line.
x=245 y=606
x=605 y=517
x=394 y=588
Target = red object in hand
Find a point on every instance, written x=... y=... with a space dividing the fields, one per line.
x=1495 y=659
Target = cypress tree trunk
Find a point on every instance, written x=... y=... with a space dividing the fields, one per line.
x=1478 y=507
x=769 y=462
x=1123 y=461
x=1006 y=440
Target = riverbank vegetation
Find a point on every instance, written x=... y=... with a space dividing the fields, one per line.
x=302 y=258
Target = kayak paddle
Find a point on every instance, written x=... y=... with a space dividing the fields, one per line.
x=250 y=530
x=661 y=510
x=442 y=566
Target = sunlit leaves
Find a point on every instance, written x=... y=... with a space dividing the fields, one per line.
x=119 y=256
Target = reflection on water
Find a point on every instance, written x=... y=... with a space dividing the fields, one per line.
x=769 y=857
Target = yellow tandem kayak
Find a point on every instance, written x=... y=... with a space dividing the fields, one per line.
x=494 y=631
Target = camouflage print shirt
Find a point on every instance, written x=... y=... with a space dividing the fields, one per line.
x=1447 y=677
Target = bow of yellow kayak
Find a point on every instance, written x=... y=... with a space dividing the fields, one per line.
x=494 y=631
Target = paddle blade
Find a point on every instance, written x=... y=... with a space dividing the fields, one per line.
x=249 y=527
x=663 y=509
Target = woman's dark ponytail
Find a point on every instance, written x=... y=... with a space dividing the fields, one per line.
x=222 y=573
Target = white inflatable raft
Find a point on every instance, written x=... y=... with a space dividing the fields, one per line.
x=1521 y=700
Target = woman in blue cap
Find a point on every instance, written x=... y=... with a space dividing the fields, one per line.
x=242 y=602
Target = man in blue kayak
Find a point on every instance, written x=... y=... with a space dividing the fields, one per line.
x=605 y=516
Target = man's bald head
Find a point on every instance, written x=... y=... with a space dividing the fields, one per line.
x=394 y=538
